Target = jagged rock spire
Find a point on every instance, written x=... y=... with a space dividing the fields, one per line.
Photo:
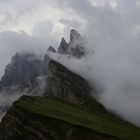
x=76 y=44
x=75 y=47
x=74 y=35
x=51 y=49
x=63 y=48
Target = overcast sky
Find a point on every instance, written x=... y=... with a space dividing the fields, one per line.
x=112 y=31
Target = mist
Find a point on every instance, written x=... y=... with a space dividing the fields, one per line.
x=113 y=34
x=114 y=77
x=13 y=42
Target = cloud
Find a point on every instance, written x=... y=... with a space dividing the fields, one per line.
x=70 y=23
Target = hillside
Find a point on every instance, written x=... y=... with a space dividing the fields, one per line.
x=29 y=118
x=74 y=114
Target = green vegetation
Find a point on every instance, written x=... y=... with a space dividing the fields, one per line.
x=76 y=115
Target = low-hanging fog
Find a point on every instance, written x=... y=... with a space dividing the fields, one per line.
x=112 y=32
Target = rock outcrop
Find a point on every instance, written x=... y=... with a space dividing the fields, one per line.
x=77 y=44
x=21 y=72
x=51 y=49
x=67 y=85
x=25 y=74
x=63 y=48
x=75 y=47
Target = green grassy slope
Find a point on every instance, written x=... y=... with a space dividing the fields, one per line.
x=76 y=115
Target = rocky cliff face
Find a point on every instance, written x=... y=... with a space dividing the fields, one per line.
x=22 y=72
x=23 y=75
x=67 y=85
x=70 y=87
x=76 y=44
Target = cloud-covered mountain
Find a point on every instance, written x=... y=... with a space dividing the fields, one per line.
x=27 y=73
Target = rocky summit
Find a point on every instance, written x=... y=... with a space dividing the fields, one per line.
x=64 y=47
x=75 y=47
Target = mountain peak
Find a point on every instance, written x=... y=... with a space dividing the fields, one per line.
x=74 y=35
x=22 y=71
x=63 y=48
x=51 y=49
x=63 y=41
x=76 y=44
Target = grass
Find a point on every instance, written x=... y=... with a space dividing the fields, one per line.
x=74 y=114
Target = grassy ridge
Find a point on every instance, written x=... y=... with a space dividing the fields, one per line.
x=71 y=113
